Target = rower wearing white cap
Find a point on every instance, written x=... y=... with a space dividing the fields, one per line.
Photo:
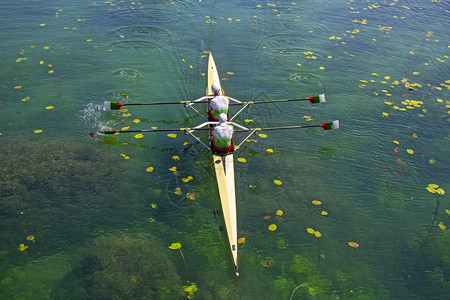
x=215 y=88
x=223 y=133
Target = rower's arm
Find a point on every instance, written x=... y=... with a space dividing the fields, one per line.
x=239 y=126
x=235 y=100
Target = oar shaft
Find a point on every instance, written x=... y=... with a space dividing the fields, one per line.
x=277 y=128
x=267 y=101
x=316 y=99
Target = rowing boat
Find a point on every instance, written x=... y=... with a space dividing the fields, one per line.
x=223 y=162
x=224 y=167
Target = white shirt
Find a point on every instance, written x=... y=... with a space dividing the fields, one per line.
x=223 y=132
x=219 y=103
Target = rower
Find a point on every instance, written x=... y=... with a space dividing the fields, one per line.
x=218 y=105
x=222 y=135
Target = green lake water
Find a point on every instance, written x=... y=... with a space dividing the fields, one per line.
x=82 y=218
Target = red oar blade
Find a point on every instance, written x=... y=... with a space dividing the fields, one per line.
x=330 y=125
x=318 y=99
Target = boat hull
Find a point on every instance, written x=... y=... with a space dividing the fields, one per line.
x=224 y=168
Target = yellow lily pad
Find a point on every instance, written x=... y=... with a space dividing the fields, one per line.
x=22 y=247
x=175 y=246
x=353 y=244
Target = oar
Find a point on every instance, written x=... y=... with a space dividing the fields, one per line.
x=325 y=126
x=315 y=99
x=116 y=105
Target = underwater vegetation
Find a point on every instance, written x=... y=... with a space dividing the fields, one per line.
x=131 y=267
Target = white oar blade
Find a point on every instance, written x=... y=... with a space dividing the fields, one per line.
x=322 y=98
x=107 y=105
x=336 y=124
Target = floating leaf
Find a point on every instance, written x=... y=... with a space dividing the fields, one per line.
x=173 y=169
x=277 y=182
x=175 y=157
x=324 y=213
x=310 y=230
x=149 y=169
x=442 y=226
x=178 y=191
x=175 y=246
x=447 y=211
x=279 y=212
x=433 y=186
x=410 y=151
x=440 y=191
x=241 y=240
x=22 y=247
x=317 y=234
x=38 y=131
x=270 y=151
x=272 y=227
x=172 y=135
x=353 y=244
x=133 y=279
x=191 y=196
x=432 y=161
x=137 y=121
x=17 y=87
x=266 y=218
x=154 y=205
x=187 y=179
x=316 y=202
x=30 y=238
x=49 y=107
x=243 y=160
x=252 y=186
x=262 y=135
x=431 y=190
x=139 y=136
x=396 y=142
